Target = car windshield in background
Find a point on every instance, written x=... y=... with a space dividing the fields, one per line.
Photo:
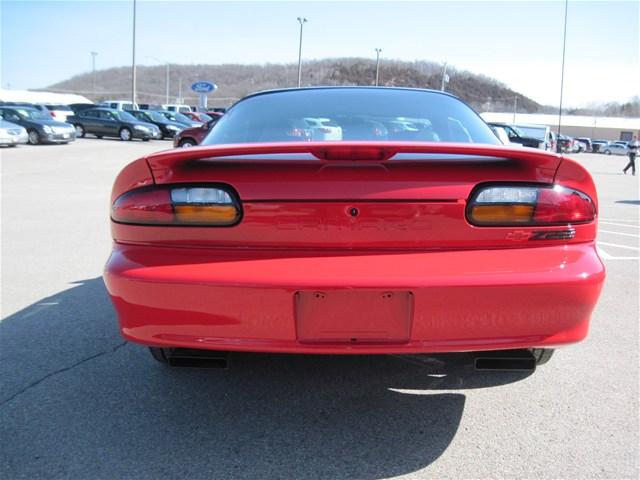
x=32 y=114
x=177 y=117
x=124 y=116
x=351 y=113
x=158 y=117
x=531 y=132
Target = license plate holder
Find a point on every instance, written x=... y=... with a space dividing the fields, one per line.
x=353 y=316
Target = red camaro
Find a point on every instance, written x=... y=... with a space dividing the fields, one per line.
x=416 y=232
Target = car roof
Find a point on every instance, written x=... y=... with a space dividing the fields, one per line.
x=348 y=87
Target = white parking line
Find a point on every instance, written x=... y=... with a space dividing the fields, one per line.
x=619 y=224
x=618 y=246
x=607 y=256
x=620 y=233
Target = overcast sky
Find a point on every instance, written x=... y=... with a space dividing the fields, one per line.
x=518 y=43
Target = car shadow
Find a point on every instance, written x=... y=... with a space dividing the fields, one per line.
x=76 y=401
x=629 y=202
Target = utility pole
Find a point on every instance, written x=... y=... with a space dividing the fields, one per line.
x=302 y=21
x=93 y=70
x=167 y=81
x=445 y=78
x=133 y=58
x=515 y=108
x=179 y=100
x=564 y=49
x=378 y=50
x=167 y=76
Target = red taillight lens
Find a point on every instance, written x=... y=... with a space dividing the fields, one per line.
x=501 y=205
x=177 y=205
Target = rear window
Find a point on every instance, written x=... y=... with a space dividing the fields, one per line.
x=62 y=108
x=370 y=114
x=533 y=132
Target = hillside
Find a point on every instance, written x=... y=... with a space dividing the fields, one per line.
x=236 y=81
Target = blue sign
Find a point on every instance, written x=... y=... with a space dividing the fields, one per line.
x=204 y=87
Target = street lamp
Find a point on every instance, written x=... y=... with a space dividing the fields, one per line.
x=93 y=70
x=133 y=58
x=445 y=77
x=302 y=21
x=378 y=50
x=167 y=74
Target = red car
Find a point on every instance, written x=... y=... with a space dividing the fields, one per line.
x=433 y=239
x=190 y=137
x=197 y=116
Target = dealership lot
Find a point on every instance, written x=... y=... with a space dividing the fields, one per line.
x=78 y=402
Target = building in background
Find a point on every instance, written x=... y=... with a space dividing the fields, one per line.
x=41 y=97
x=605 y=128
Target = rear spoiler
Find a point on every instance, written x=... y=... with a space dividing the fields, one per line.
x=355 y=151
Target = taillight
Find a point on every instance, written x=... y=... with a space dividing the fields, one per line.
x=504 y=205
x=178 y=205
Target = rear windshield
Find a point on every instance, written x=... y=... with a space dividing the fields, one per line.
x=370 y=114
x=60 y=108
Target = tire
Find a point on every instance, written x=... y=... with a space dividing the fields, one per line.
x=542 y=355
x=607 y=152
x=34 y=137
x=145 y=139
x=125 y=134
x=80 y=132
x=99 y=137
x=187 y=142
x=158 y=354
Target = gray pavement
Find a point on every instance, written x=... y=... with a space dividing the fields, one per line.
x=78 y=402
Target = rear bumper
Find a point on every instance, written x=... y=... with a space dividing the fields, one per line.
x=461 y=301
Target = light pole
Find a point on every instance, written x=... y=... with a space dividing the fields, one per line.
x=515 y=108
x=93 y=70
x=133 y=58
x=445 y=78
x=302 y=21
x=167 y=76
x=378 y=50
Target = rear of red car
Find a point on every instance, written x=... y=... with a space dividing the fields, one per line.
x=362 y=246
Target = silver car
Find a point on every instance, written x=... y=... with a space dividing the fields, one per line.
x=12 y=134
x=615 y=148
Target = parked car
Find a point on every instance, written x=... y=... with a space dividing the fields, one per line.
x=515 y=135
x=566 y=144
x=109 y=122
x=190 y=137
x=542 y=133
x=585 y=144
x=180 y=118
x=368 y=246
x=616 y=148
x=174 y=107
x=597 y=145
x=168 y=129
x=197 y=116
x=12 y=134
x=326 y=129
x=58 y=111
x=119 y=105
x=78 y=107
x=40 y=127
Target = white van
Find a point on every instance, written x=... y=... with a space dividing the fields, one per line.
x=174 y=107
x=539 y=132
x=119 y=104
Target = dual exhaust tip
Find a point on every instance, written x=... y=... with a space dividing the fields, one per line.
x=501 y=360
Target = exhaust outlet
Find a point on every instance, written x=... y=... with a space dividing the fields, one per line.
x=505 y=360
x=188 y=358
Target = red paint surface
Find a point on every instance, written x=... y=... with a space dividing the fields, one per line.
x=235 y=288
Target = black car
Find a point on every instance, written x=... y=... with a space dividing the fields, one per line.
x=177 y=117
x=40 y=127
x=516 y=135
x=109 y=122
x=168 y=129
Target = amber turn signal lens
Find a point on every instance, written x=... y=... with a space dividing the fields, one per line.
x=207 y=214
x=501 y=214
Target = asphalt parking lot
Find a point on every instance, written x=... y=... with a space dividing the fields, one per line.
x=78 y=402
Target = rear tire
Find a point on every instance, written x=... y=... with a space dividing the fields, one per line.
x=159 y=354
x=99 y=137
x=542 y=355
x=607 y=152
x=125 y=134
x=145 y=139
x=187 y=142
